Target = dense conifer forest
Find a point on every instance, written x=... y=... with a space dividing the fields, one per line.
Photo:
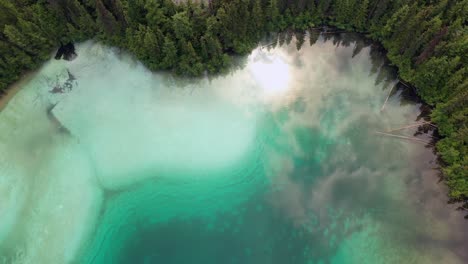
x=426 y=39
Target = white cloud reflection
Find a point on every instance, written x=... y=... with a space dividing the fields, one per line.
x=270 y=71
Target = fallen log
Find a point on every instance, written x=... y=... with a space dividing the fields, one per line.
x=388 y=96
x=404 y=137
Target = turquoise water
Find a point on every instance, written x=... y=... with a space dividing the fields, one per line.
x=276 y=162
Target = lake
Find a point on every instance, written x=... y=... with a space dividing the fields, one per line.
x=281 y=160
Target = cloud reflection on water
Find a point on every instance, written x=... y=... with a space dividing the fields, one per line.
x=300 y=123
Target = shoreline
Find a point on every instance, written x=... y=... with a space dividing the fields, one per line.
x=10 y=91
x=14 y=88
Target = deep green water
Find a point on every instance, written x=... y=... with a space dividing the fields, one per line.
x=276 y=162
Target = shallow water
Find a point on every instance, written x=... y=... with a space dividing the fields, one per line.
x=276 y=162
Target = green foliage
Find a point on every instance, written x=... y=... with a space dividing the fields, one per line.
x=426 y=40
x=107 y=23
x=155 y=16
x=182 y=26
x=189 y=62
x=146 y=45
x=169 y=50
x=434 y=76
x=360 y=16
x=272 y=15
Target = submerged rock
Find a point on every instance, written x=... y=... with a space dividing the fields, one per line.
x=55 y=121
x=61 y=86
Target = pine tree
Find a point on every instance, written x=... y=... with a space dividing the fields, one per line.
x=189 y=63
x=169 y=52
x=8 y=14
x=50 y=22
x=155 y=16
x=313 y=37
x=323 y=7
x=311 y=7
x=212 y=53
x=106 y=21
x=257 y=20
x=223 y=26
x=360 y=15
x=152 y=48
x=212 y=26
x=29 y=37
x=136 y=12
x=181 y=26
x=115 y=7
x=300 y=39
x=272 y=15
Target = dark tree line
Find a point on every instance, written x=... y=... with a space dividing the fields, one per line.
x=426 y=39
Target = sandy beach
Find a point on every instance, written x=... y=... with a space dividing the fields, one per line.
x=14 y=88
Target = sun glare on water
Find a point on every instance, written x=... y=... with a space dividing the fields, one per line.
x=271 y=72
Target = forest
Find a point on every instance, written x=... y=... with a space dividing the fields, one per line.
x=426 y=40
